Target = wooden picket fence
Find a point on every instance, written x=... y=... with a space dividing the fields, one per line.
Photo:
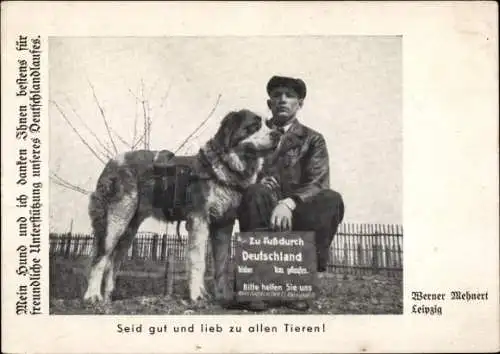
x=356 y=248
x=362 y=248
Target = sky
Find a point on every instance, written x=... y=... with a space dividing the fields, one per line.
x=354 y=99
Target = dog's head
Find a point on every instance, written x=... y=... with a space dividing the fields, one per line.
x=246 y=131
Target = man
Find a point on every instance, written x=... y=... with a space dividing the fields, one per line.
x=293 y=193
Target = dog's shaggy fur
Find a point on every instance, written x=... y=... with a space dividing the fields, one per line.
x=123 y=199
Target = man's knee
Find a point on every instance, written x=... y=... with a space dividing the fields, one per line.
x=334 y=201
x=325 y=201
x=323 y=214
x=332 y=196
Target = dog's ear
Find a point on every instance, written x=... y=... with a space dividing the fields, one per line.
x=228 y=127
x=235 y=162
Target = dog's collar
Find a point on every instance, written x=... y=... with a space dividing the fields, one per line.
x=211 y=163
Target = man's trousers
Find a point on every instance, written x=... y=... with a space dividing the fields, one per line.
x=323 y=213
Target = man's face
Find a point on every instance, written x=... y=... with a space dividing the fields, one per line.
x=284 y=103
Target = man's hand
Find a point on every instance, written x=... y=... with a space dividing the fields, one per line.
x=281 y=217
x=270 y=182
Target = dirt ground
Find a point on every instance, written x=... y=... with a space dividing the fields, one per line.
x=140 y=290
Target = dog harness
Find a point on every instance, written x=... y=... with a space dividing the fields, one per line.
x=173 y=176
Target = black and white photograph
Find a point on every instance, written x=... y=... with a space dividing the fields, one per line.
x=191 y=175
x=250 y=177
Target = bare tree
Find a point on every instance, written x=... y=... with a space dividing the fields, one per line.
x=103 y=152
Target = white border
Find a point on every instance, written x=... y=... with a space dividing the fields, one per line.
x=450 y=169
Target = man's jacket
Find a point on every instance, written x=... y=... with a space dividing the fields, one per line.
x=300 y=164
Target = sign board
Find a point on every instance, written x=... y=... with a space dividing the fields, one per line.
x=275 y=266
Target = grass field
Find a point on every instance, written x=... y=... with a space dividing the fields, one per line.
x=140 y=290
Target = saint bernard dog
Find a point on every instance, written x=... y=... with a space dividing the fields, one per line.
x=226 y=165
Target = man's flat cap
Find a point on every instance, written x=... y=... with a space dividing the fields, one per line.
x=297 y=85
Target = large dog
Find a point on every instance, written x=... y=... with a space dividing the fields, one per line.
x=226 y=165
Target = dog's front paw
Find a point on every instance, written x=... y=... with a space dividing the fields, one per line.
x=92 y=297
x=197 y=305
x=197 y=294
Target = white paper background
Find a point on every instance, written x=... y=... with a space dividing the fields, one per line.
x=450 y=170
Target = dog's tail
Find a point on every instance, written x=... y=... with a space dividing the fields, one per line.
x=107 y=189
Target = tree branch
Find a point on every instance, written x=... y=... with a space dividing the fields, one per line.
x=121 y=139
x=76 y=132
x=154 y=85
x=133 y=95
x=136 y=115
x=64 y=183
x=138 y=142
x=199 y=126
x=108 y=153
x=103 y=116
x=164 y=98
x=137 y=100
x=70 y=188
x=145 y=135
